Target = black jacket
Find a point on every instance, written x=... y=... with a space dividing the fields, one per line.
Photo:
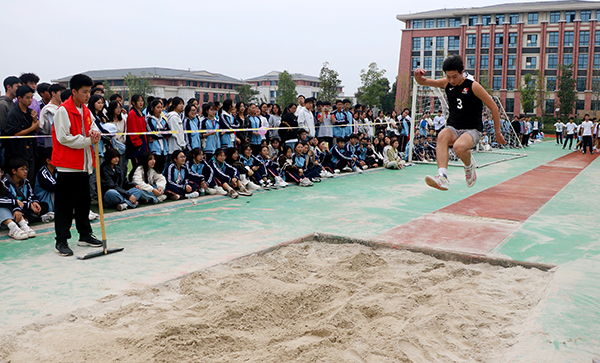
x=113 y=179
x=17 y=121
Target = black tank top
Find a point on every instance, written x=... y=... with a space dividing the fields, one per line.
x=465 y=108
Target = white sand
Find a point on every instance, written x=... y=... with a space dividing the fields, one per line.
x=309 y=302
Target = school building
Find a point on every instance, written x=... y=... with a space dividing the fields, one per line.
x=502 y=43
x=167 y=82
x=266 y=85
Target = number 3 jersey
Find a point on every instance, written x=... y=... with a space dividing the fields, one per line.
x=465 y=108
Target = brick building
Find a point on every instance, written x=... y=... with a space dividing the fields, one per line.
x=502 y=43
x=267 y=85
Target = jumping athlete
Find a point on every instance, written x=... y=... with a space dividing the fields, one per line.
x=464 y=125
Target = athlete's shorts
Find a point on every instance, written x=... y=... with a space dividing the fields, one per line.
x=475 y=134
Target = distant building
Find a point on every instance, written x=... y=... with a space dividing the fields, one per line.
x=309 y=86
x=501 y=43
x=202 y=85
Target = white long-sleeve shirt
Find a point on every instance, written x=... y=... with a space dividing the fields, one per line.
x=62 y=128
x=306 y=121
x=176 y=141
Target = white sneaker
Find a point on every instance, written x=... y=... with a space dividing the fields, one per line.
x=161 y=198
x=252 y=186
x=280 y=182
x=336 y=171
x=232 y=193
x=365 y=167
x=346 y=168
x=265 y=185
x=358 y=170
x=92 y=216
x=439 y=182
x=305 y=182
x=211 y=191
x=18 y=234
x=192 y=195
x=48 y=217
x=470 y=175
x=221 y=191
x=122 y=206
x=28 y=230
x=272 y=185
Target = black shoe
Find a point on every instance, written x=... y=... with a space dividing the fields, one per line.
x=89 y=241
x=62 y=248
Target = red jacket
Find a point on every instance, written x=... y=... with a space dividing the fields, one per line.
x=137 y=123
x=64 y=156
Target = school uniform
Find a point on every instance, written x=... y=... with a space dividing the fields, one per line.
x=24 y=192
x=202 y=169
x=255 y=140
x=228 y=122
x=45 y=186
x=340 y=123
x=301 y=161
x=8 y=204
x=266 y=168
x=178 y=179
x=340 y=159
x=324 y=158
x=158 y=144
x=212 y=142
x=224 y=172
x=193 y=138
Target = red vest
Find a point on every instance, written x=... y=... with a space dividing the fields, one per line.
x=64 y=156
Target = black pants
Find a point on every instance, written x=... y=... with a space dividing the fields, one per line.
x=570 y=139
x=525 y=142
x=72 y=193
x=559 y=138
x=587 y=142
x=32 y=217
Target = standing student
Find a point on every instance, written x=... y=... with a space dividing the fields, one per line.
x=176 y=141
x=158 y=144
x=73 y=134
x=404 y=128
x=192 y=126
x=116 y=117
x=255 y=124
x=586 y=134
x=439 y=122
x=274 y=121
x=228 y=124
x=326 y=120
x=559 y=126
x=289 y=126
x=48 y=112
x=465 y=100
x=570 y=127
x=210 y=124
x=306 y=119
x=136 y=145
x=11 y=84
x=242 y=119
x=148 y=180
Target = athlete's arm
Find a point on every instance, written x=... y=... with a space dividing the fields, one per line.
x=420 y=78
x=489 y=102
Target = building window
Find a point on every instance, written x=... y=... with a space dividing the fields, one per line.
x=532 y=18
x=417 y=24
x=471 y=61
x=486 y=19
x=553 y=39
x=510 y=83
x=472 y=20
x=428 y=43
x=550 y=107
x=568 y=39
x=416 y=62
x=597 y=37
x=567 y=59
x=512 y=61
x=272 y=94
x=512 y=39
x=499 y=40
x=439 y=61
x=497 y=83
x=485 y=40
x=472 y=41
x=439 y=43
x=550 y=83
x=499 y=19
x=498 y=61
x=513 y=19
x=582 y=61
x=532 y=40
x=272 y=83
x=427 y=63
x=584 y=38
x=579 y=105
x=485 y=61
x=454 y=22
x=569 y=16
x=530 y=62
x=510 y=105
x=554 y=17
x=552 y=61
x=205 y=97
x=586 y=15
x=416 y=44
x=454 y=42
x=428 y=23
x=441 y=23
x=596 y=61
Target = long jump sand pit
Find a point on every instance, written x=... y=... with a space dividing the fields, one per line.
x=302 y=302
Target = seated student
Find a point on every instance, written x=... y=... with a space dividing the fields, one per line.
x=275 y=149
x=16 y=182
x=391 y=159
x=117 y=191
x=350 y=149
x=246 y=172
x=340 y=160
x=300 y=159
x=247 y=160
x=197 y=166
x=227 y=176
x=418 y=151
x=45 y=181
x=181 y=182
x=11 y=215
x=302 y=136
x=371 y=158
x=267 y=174
x=429 y=146
x=324 y=157
x=290 y=170
x=152 y=183
x=313 y=167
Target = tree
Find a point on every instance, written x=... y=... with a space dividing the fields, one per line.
x=246 y=94
x=329 y=82
x=566 y=90
x=373 y=88
x=541 y=92
x=138 y=85
x=388 y=101
x=528 y=93
x=286 y=90
x=108 y=91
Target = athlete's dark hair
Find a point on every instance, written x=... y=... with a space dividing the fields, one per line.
x=453 y=63
x=80 y=80
x=47 y=154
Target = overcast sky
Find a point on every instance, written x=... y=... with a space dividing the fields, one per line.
x=238 y=38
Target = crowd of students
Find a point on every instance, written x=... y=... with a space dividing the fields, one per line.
x=586 y=134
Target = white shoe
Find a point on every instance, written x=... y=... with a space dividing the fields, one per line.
x=18 y=234
x=122 y=206
x=221 y=191
x=211 y=191
x=161 y=198
x=346 y=168
x=439 y=182
x=280 y=182
x=336 y=171
x=244 y=179
x=470 y=175
x=192 y=195
x=252 y=186
x=232 y=193
x=48 y=217
x=28 y=230
x=358 y=170
x=365 y=167
x=265 y=185
x=92 y=216
x=272 y=185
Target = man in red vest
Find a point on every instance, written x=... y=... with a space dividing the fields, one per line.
x=73 y=134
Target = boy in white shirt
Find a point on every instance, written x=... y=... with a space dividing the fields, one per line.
x=48 y=112
x=559 y=126
x=570 y=127
x=586 y=134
